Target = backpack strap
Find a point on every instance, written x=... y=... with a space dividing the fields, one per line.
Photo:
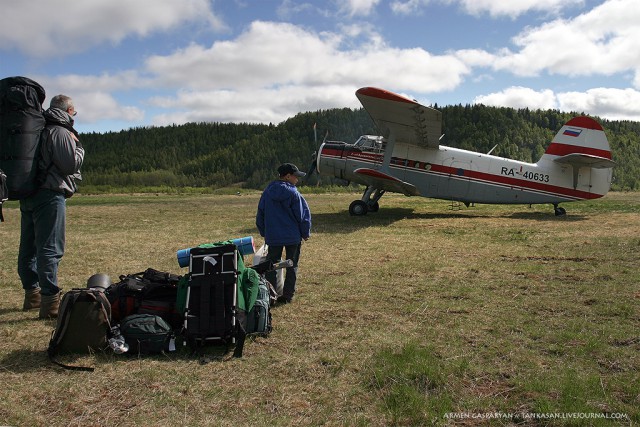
x=241 y=337
x=4 y=192
x=68 y=367
x=219 y=306
x=205 y=308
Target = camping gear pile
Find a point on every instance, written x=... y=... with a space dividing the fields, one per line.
x=220 y=301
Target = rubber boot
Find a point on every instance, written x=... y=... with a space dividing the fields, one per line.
x=31 y=299
x=49 y=305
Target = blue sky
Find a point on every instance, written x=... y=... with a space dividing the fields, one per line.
x=159 y=62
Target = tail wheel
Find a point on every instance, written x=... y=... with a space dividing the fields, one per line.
x=358 y=208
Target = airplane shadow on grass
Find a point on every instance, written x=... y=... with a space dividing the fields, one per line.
x=342 y=222
x=544 y=216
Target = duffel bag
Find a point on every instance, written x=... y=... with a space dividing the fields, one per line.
x=146 y=334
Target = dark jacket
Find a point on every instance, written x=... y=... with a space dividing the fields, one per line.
x=283 y=216
x=61 y=154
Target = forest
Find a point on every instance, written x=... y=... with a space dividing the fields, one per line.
x=221 y=155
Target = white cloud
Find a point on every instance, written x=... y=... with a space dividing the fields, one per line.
x=275 y=54
x=495 y=8
x=519 y=97
x=407 y=7
x=47 y=28
x=95 y=106
x=254 y=106
x=514 y=8
x=357 y=7
x=614 y=104
x=590 y=44
x=274 y=70
x=609 y=103
x=94 y=95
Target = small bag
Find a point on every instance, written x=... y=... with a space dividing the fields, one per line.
x=260 y=256
x=146 y=334
x=259 y=317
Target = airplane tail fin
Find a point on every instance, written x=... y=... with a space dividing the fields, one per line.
x=581 y=141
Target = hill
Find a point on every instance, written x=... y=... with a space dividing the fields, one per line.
x=218 y=155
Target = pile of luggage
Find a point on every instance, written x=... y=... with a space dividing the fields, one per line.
x=220 y=301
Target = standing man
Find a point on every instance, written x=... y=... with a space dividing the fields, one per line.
x=42 y=228
x=284 y=220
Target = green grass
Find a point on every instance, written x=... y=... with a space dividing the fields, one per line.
x=402 y=317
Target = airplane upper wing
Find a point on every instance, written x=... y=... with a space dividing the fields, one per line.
x=410 y=122
x=377 y=179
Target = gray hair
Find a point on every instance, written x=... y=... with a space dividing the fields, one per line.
x=62 y=102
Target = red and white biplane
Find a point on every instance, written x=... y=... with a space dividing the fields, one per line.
x=407 y=158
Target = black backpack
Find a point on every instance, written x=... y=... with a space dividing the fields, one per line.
x=21 y=123
x=83 y=325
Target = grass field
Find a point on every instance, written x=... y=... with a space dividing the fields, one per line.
x=420 y=314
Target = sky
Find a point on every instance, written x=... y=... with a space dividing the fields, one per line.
x=138 y=63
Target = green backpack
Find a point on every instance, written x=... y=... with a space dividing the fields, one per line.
x=146 y=334
x=83 y=325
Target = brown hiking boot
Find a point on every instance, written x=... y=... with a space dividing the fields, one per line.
x=31 y=299
x=49 y=305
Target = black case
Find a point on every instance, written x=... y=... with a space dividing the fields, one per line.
x=212 y=295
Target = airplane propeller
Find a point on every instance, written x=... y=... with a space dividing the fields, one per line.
x=314 y=157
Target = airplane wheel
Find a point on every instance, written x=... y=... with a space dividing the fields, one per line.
x=358 y=208
x=374 y=208
x=560 y=211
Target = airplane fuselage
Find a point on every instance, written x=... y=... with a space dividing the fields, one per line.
x=576 y=165
x=454 y=174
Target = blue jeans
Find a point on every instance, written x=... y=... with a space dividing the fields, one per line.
x=292 y=252
x=42 y=237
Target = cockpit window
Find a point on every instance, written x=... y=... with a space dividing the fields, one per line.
x=370 y=142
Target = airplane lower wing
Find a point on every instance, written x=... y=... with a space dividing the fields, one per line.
x=409 y=121
x=383 y=181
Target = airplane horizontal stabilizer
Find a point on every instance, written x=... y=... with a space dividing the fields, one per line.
x=586 y=160
x=381 y=180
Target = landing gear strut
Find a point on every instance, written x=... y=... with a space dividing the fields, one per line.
x=558 y=210
x=368 y=203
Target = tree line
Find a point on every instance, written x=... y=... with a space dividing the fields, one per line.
x=219 y=155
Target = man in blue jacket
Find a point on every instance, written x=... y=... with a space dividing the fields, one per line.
x=284 y=220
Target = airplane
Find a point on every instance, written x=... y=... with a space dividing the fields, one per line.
x=407 y=158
